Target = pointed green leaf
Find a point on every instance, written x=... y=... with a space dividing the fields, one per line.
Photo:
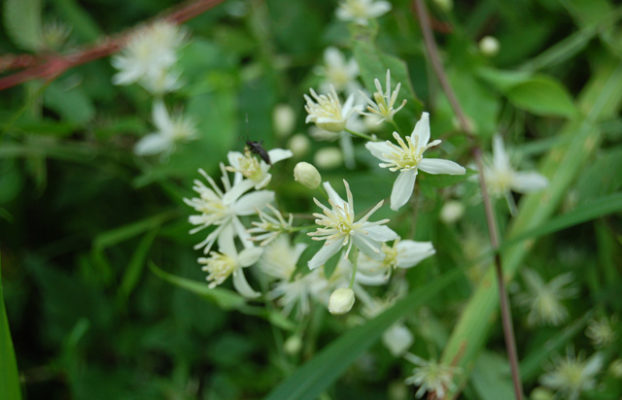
x=22 y=22
x=9 y=378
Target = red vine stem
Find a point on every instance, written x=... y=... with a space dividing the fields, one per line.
x=465 y=125
x=57 y=64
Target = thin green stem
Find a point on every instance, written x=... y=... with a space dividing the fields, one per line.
x=354 y=258
x=361 y=135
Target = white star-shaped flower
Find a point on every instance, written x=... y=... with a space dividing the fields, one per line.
x=169 y=131
x=407 y=158
x=326 y=112
x=148 y=56
x=227 y=261
x=383 y=104
x=360 y=11
x=402 y=254
x=339 y=72
x=254 y=169
x=223 y=208
x=501 y=178
x=338 y=228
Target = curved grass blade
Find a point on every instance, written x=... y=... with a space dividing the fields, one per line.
x=225 y=299
x=9 y=378
x=314 y=377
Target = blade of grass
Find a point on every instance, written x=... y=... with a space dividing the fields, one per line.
x=314 y=377
x=226 y=299
x=600 y=99
x=9 y=378
x=135 y=266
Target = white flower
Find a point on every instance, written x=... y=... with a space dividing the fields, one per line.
x=431 y=377
x=489 y=46
x=279 y=262
x=222 y=208
x=407 y=158
x=270 y=226
x=360 y=11
x=384 y=102
x=253 y=168
x=338 y=228
x=544 y=299
x=227 y=261
x=572 y=375
x=402 y=254
x=148 y=57
x=169 y=131
x=601 y=332
x=326 y=112
x=338 y=72
x=501 y=177
x=452 y=211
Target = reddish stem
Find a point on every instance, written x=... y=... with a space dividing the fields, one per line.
x=57 y=64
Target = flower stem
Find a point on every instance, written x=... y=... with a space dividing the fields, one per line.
x=354 y=253
x=493 y=233
x=361 y=135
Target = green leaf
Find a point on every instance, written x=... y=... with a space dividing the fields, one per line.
x=586 y=212
x=491 y=377
x=542 y=95
x=22 y=21
x=315 y=376
x=70 y=102
x=9 y=378
x=224 y=298
x=136 y=264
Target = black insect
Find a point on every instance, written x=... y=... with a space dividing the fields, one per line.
x=258 y=149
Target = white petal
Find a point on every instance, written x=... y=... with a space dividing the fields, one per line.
x=236 y=191
x=153 y=143
x=410 y=253
x=403 y=188
x=367 y=245
x=249 y=256
x=234 y=158
x=225 y=241
x=525 y=182
x=333 y=57
x=250 y=203
x=378 y=8
x=381 y=233
x=422 y=130
x=333 y=196
x=440 y=166
x=348 y=150
x=329 y=249
x=160 y=117
x=241 y=284
x=242 y=232
x=277 y=155
x=500 y=158
x=379 y=149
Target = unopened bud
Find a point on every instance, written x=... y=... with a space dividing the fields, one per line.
x=452 y=211
x=299 y=145
x=341 y=301
x=445 y=5
x=307 y=174
x=489 y=46
x=328 y=158
x=541 y=393
x=292 y=345
x=284 y=119
x=397 y=339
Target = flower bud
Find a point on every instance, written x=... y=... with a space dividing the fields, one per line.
x=284 y=119
x=489 y=46
x=292 y=345
x=299 y=145
x=452 y=211
x=328 y=158
x=541 y=393
x=341 y=301
x=397 y=339
x=307 y=174
x=445 y=5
